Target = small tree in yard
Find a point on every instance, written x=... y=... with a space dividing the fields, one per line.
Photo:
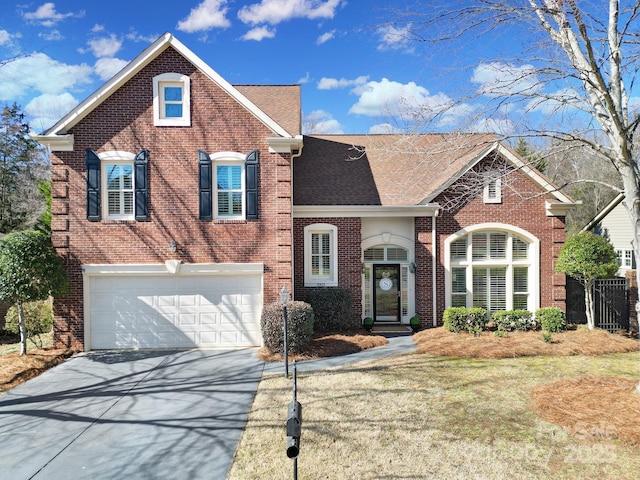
x=587 y=257
x=29 y=270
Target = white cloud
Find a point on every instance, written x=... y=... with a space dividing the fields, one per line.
x=305 y=79
x=106 y=46
x=277 y=11
x=393 y=98
x=503 y=127
x=5 y=37
x=209 y=14
x=52 y=36
x=259 y=33
x=498 y=79
x=384 y=128
x=327 y=83
x=47 y=15
x=321 y=122
x=325 y=37
x=45 y=110
x=97 y=28
x=41 y=73
x=134 y=36
x=393 y=38
x=108 y=67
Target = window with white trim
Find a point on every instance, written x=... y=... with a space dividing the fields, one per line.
x=625 y=257
x=321 y=255
x=117 y=185
x=491 y=270
x=229 y=183
x=492 y=187
x=171 y=100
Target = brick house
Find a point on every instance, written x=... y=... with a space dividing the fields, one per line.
x=182 y=204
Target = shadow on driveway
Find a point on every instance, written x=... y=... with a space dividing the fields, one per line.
x=140 y=414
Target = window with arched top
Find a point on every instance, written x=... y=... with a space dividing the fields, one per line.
x=494 y=269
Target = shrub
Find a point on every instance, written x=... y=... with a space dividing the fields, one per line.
x=38 y=319
x=456 y=319
x=332 y=308
x=552 y=319
x=510 y=320
x=547 y=337
x=299 y=326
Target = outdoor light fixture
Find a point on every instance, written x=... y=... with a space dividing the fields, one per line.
x=284 y=298
x=412 y=267
x=172 y=246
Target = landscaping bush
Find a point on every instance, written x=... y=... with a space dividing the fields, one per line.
x=332 y=309
x=456 y=319
x=510 y=320
x=552 y=319
x=38 y=319
x=299 y=326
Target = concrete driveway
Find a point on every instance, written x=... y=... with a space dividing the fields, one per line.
x=130 y=415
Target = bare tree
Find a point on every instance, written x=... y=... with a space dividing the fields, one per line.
x=576 y=61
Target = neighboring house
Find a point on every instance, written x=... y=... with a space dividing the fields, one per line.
x=182 y=204
x=613 y=224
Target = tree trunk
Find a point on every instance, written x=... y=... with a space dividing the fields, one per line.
x=589 y=307
x=23 y=330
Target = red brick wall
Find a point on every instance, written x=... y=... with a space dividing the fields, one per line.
x=124 y=121
x=524 y=207
x=424 y=270
x=349 y=259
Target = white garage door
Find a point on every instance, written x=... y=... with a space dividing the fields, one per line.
x=174 y=311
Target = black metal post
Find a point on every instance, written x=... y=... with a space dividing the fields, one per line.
x=295 y=399
x=286 y=350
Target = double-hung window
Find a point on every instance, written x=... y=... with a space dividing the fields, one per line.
x=171 y=100
x=321 y=255
x=119 y=190
x=230 y=185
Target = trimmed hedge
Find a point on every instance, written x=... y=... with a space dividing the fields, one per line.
x=456 y=319
x=299 y=326
x=332 y=309
x=510 y=320
x=552 y=319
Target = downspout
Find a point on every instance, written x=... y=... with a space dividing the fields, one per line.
x=434 y=255
x=294 y=154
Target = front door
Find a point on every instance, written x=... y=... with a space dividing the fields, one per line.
x=386 y=293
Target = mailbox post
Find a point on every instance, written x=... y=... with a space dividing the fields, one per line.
x=294 y=426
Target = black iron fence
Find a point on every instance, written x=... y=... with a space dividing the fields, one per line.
x=611 y=299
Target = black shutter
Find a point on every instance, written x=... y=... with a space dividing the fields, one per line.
x=93 y=186
x=205 y=186
x=251 y=184
x=141 y=189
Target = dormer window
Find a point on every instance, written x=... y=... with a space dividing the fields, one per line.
x=171 y=100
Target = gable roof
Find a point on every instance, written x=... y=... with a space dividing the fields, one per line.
x=604 y=212
x=394 y=170
x=56 y=137
x=280 y=102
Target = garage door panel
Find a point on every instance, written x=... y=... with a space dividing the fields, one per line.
x=181 y=311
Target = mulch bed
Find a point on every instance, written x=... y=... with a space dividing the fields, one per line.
x=592 y=407
x=16 y=369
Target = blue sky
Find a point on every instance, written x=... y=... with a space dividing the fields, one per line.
x=353 y=68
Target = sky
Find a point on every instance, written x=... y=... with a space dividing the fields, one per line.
x=353 y=67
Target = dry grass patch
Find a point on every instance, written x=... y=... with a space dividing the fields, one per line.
x=438 y=341
x=329 y=345
x=429 y=417
x=592 y=406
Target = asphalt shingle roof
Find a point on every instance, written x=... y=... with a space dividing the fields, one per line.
x=382 y=169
